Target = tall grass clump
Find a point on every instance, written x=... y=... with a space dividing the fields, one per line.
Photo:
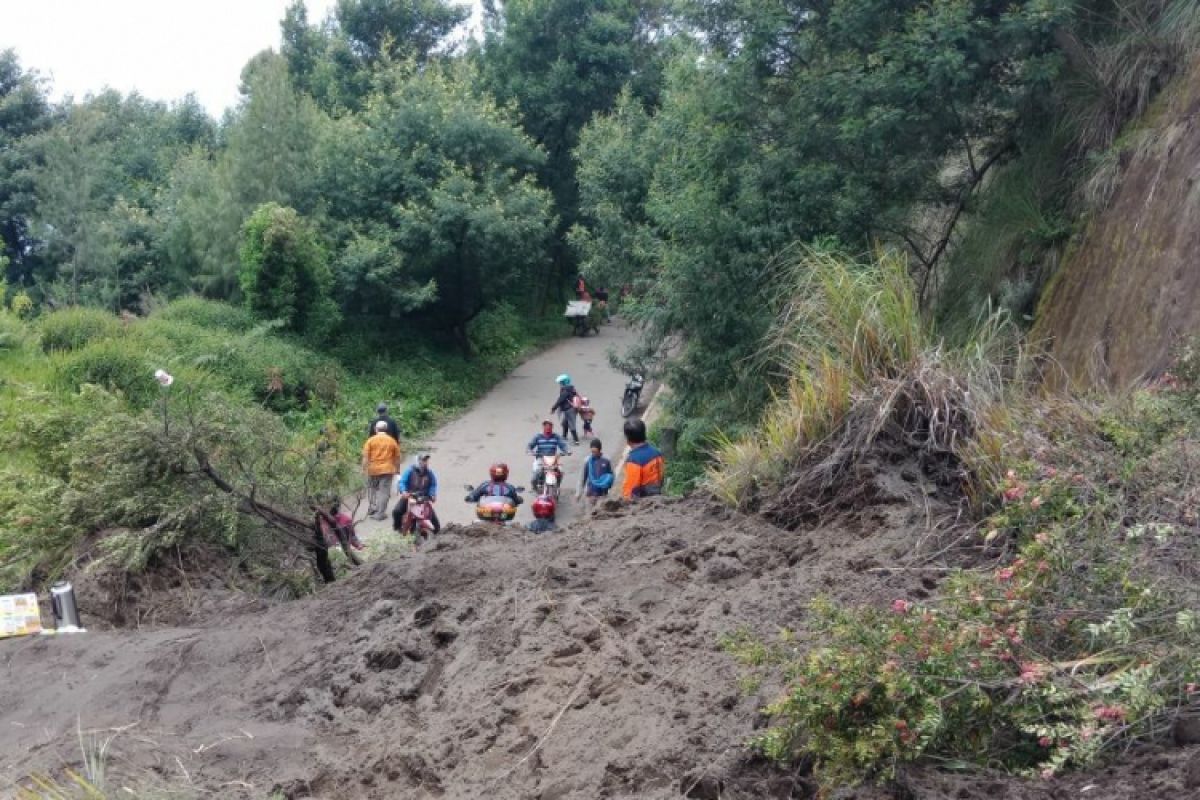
x=1120 y=58
x=72 y=328
x=866 y=370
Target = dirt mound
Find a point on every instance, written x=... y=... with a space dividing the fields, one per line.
x=580 y=664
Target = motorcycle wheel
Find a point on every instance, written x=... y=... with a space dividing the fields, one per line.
x=629 y=403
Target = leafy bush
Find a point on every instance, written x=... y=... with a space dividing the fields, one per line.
x=284 y=273
x=1036 y=664
x=12 y=332
x=72 y=328
x=117 y=365
x=207 y=314
x=498 y=335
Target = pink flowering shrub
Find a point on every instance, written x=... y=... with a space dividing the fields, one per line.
x=1067 y=646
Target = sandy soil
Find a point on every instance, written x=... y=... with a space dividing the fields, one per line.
x=499 y=426
x=582 y=664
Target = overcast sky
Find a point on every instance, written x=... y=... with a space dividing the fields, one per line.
x=162 y=48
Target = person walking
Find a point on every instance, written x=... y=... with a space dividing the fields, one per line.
x=644 y=466
x=565 y=406
x=381 y=415
x=381 y=457
x=597 y=477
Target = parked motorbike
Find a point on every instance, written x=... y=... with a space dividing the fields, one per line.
x=418 y=519
x=633 y=394
x=497 y=510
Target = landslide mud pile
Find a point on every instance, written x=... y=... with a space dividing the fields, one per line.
x=582 y=664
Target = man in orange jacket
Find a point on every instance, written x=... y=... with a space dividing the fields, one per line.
x=381 y=457
x=644 y=465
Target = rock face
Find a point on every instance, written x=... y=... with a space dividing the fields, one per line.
x=1129 y=292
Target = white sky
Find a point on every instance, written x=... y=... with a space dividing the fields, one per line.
x=161 y=48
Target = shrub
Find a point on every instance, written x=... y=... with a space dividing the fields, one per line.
x=116 y=365
x=12 y=332
x=207 y=314
x=865 y=368
x=498 y=335
x=72 y=328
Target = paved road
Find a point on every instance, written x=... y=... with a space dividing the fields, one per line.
x=498 y=427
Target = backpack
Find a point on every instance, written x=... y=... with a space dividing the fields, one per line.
x=601 y=483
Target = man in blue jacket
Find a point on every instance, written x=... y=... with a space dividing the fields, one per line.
x=546 y=443
x=597 y=478
x=418 y=479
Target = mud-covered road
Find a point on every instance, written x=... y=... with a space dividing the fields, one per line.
x=499 y=426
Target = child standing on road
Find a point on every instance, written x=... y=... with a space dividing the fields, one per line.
x=587 y=414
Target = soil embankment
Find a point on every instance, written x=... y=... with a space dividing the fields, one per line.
x=1127 y=294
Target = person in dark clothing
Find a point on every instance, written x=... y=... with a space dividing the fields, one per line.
x=381 y=415
x=565 y=406
x=497 y=485
x=418 y=479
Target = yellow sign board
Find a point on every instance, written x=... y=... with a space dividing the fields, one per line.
x=19 y=615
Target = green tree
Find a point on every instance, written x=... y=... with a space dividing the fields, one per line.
x=284 y=275
x=335 y=61
x=561 y=62
x=98 y=177
x=435 y=208
x=23 y=113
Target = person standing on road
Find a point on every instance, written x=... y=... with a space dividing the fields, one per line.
x=418 y=479
x=597 y=477
x=381 y=415
x=644 y=466
x=565 y=406
x=380 y=459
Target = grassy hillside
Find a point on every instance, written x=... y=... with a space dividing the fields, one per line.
x=93 y=443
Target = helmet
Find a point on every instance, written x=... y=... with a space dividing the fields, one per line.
x=563 y=380
x=499 y=472
x=547 y=422
x=543 y=508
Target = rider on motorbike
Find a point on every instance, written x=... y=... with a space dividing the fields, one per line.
x=496 y=486
x=546 y=443
x=418 y=479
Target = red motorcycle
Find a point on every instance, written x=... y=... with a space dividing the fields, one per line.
x=550 y=476
x=418 y=518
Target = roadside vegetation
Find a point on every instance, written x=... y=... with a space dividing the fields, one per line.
x=1065 y=627
x=94 y=444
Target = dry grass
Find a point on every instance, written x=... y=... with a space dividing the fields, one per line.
x=868 y=374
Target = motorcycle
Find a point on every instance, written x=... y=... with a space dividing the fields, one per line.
x=495 y=509
x=633 y=394
x=544 y=508
x=418 y=518
x=549 y=477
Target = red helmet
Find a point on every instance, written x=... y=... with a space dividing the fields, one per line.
x=499 y=472
x=543 y=508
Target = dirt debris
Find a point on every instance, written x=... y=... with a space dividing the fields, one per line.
x=580 y=664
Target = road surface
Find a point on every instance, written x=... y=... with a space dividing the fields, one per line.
x=500 y=425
